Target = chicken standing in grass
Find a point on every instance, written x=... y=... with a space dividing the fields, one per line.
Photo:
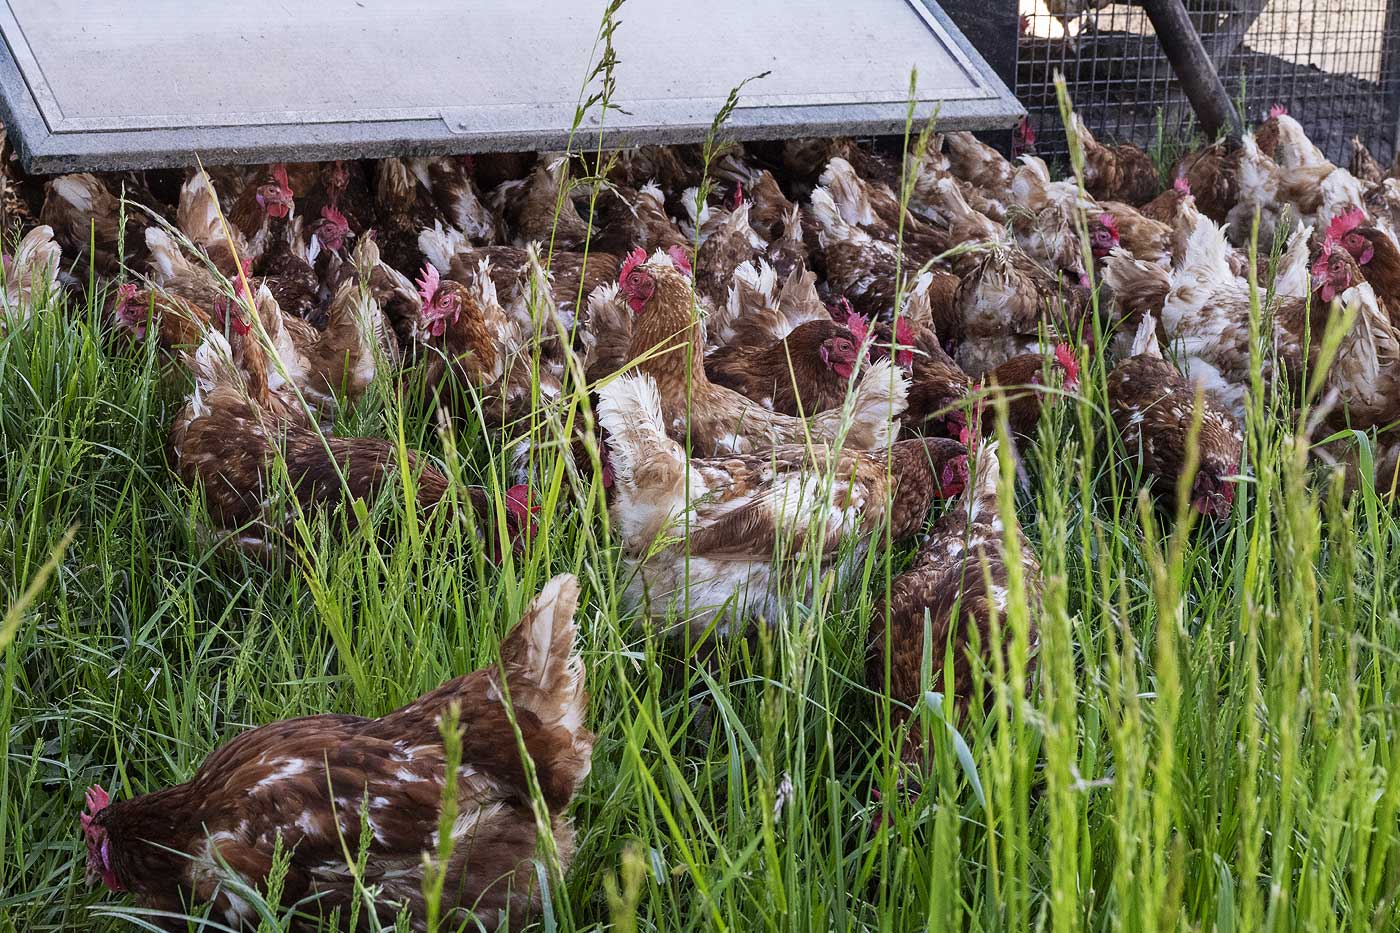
x=959 y=583
x=30 y=275
x=723 y=538
x=314 y=782
x=667 y=345
x=230 y=435
x=1153 y=406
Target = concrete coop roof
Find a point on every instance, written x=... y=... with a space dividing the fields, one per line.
x=118 y=84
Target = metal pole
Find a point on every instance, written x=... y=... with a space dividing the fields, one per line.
x=1193 y=67
x=1390 y=81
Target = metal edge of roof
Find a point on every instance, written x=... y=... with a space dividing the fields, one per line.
x=43 y=151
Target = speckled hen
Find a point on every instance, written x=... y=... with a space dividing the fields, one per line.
x=313 y=780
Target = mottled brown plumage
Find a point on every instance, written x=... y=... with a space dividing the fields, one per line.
x=1153 y=407
x=313 y=780
x=90 y=223
x=667 y=344
x=1021 y=381
x=1364 y=165
x=538 y=207
x=403 y=210
x=959 y=581
x=1117 y=173
x=1213 y=176
x=720 y=537
x=798 y=374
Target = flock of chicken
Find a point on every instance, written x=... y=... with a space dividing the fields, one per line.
x=780 y=362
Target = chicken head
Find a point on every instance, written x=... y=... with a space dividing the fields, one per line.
x=1332 y=271
x=1345 y=229
x=1103 y=235
x=332 y=229
x=635 y=282
x=99 y=849
x=440 y=306
x=275 y=197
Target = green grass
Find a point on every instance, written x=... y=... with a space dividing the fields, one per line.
x=1209 y=742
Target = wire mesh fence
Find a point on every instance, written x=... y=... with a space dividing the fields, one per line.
x=1333 y=64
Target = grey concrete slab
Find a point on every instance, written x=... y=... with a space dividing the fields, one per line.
x=108 y=84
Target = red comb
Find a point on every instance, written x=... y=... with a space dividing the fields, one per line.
x=126 y=291
x=844 y=310
x=633 y=260
x=331 y=215
x=96 y=801
x=1278 y=110
x=1110 y=223
x=226 y=315
x=859 y=328
x=1064 y=355
x=904 y=344
x=519 y=498
x=428 y=283
x=1345 y=222
x=279 y=172
x=1025 y=24
x=1182 y=185
x=738 y=194
x=679 y=258
x=1027 y=132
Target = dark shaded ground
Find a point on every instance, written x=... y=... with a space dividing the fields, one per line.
x=1120 y=83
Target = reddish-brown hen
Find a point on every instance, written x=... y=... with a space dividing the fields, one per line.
x=667 y=344
x=1117 y=173
x=311 y=781
x=959 y=582
x=1153 y=407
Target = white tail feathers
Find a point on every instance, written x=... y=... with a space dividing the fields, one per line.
x=874 y=409
x=847 y=192
x=832 y=226
x=1145 y=340
x=544 y=674
x=1133 y=280
x=1293 y=280
x=629 y=409
x=168 y=260
x=538 y=650
x=1081 y=129
x=212 y=366
x=986 y=479
x=197 y=215
x=1295 y=149
x=1207 y=256
x=83 y=191
x=33 y=273
x=1371 y=345
x=439 y=245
